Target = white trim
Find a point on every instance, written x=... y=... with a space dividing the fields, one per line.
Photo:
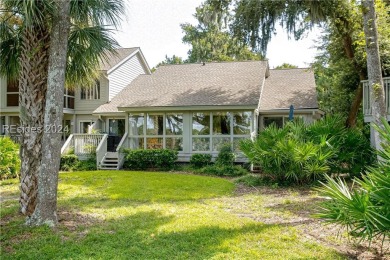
x=287 y=110
x=185 y=108
x=138 y=50
x=261 y=95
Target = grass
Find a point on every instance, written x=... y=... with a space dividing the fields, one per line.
x=145 y=215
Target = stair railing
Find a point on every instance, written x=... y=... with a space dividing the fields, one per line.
x=121 y=155
x=101 y=150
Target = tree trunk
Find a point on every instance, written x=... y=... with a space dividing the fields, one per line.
x=375 y=80
x=356 y=104
x=32 y=95
x=46 y=209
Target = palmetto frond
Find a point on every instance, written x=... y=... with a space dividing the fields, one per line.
x=90 y=39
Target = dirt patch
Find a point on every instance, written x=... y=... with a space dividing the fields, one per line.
x=295 y=207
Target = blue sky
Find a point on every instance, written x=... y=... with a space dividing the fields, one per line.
x=154 y=25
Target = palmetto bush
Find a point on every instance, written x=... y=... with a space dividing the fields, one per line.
x=365 y=209
x=303 y=153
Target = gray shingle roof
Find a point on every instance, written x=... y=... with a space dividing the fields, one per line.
x=113 y=59
x=214 y=84
x=289 y=87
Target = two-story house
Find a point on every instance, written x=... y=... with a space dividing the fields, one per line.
x=116 y=73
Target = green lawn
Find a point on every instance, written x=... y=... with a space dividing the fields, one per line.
x=149 y=215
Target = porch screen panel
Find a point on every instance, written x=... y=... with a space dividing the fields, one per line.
x=242 y=123
x=136 y=131
x=211 y=131
x=201 y=144
x=221 y=123
x=201 y=123
x=154 y=124
x=136 y=125
x=174 y=124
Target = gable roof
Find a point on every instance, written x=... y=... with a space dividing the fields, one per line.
x=212 y=84
x=114 y=59
x=287 y=87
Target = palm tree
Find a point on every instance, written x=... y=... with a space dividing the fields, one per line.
x=24 y=52
x=24 y=55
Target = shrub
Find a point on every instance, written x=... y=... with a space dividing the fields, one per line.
x=9 y=158
x=70 y=162
x=86 y=165
x=227 y=170
x=365 y=210
x=225 y=156
x=200 y=160
x=303 y=153
x=163 y=159
x=353 y=152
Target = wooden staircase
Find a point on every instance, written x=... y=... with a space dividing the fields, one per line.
x=110 y=161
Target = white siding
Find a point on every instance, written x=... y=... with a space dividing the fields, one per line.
x=125 y=74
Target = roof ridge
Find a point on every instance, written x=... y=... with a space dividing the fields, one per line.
x=292 y=68
x=212 y=62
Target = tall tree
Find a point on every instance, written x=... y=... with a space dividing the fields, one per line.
x=24 y=57
x=255 y=22
x=286 y=66
x=375 y=80
x=46 y=209
x=211 y=39
x=89 y=43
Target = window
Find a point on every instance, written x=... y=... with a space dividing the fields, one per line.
x=227 y=128
x=242 y=123
x=12 y=93
x=279 y=121
x=91 y=93
x=201 y=123
x=136 y=125
x=154 y=124
x=85 y=126
x=174 y=124
x=156 y=131
x=221 y=123
x=69 y=98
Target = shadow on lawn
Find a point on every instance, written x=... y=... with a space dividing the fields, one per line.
x=132 y=237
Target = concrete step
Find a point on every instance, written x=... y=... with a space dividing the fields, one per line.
x=112 y=155
x=111 y=159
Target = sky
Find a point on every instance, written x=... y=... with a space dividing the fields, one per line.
x=154 y=25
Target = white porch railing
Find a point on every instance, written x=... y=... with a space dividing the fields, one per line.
x=83 y=144
x=367 y=96
x=122 y=144
x=101 y=150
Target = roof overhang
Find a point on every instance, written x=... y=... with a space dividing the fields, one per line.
x=287 y=110
x=187 y=108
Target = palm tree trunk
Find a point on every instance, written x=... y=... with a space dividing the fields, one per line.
x=375 y=80
x=32 y=95
x=46 y=209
